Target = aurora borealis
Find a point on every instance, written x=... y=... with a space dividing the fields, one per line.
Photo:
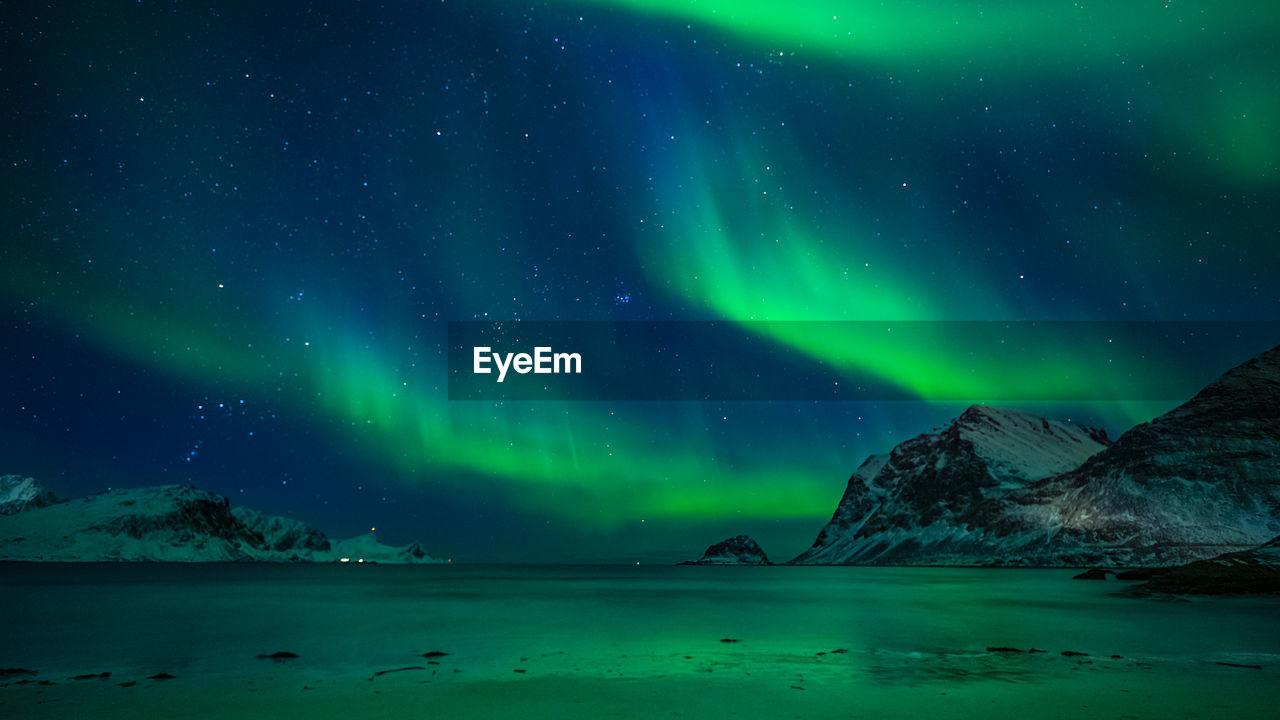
x=234 y=236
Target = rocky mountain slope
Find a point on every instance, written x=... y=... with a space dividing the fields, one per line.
x=174 y=523
x=740 y=550
x=932 y=499
x=999 y=487
x=1198 y=481
x=283 y=535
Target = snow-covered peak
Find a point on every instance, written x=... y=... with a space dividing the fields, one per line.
x=366 y=548
x=167 y=523
x=940 y=488
x=1000 y=486
x=174 y=523
x=281 y=534
x=19 y=493
x=1021 y=445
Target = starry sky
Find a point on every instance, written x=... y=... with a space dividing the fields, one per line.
x=234 y=234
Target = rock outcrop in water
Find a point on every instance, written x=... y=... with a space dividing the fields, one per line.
x=1247 y=572
x=1001 y=487
x=740 y=550
x=175 y=523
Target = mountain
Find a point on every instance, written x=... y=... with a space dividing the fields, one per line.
x=740 y=550
x=1000 y=487
x=1249 y=571
x=366 y=548
x=1198 y=481
x=169 y=524
x=18 y=493
x=283 y=535
x=172 y=523
x=934 y=499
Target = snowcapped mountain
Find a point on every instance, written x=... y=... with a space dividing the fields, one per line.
x=366 y=548
x=18 y=493
x=172 y=523
x=932 y=499
x=1200 y=480
x=283 y=535
x=740 y=550
x=1000 y=487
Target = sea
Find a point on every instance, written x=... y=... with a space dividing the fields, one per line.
x=544 y=641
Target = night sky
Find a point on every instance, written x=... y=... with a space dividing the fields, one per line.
x=233 y=235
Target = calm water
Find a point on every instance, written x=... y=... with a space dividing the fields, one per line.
x=623 y=641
